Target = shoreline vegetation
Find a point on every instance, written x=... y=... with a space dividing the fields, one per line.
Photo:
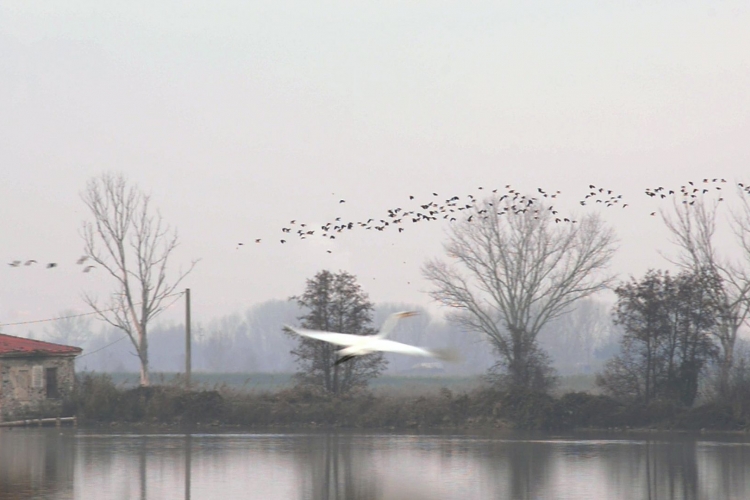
x=98 y=400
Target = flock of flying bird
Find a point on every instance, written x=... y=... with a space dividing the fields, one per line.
x=450 y=209
x=51 y=265
x=514 y=203
x=507 y=202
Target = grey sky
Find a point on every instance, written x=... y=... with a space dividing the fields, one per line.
x=239 y=116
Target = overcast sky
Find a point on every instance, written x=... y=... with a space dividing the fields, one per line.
x=240 y=116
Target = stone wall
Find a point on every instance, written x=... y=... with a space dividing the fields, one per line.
x=25 y=390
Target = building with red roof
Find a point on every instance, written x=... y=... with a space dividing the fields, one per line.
x=35 y=377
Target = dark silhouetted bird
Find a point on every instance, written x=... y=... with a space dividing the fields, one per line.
x=88 y=268
x=51 y=265
x=82 y=259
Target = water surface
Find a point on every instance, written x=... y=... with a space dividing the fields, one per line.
x=86 y=464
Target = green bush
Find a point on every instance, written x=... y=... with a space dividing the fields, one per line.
x=580 y=409
x=97 y=399
x=657 y=413
x=527 y=409
x=710 y=416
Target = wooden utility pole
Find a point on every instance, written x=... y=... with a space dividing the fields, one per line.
x=188 y=347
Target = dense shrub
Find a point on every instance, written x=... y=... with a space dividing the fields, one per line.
x=658 y=414
x=97 y=399
x=710 y=416
x=529 y=410
x=580 y=409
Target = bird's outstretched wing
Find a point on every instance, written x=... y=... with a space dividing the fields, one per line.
x=412 y=350
x=345 y=339
x=390 y=322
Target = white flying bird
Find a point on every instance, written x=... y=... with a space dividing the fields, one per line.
x=359 y=345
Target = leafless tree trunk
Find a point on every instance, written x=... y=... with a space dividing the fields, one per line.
x=133 y=244
x=693 y=230
x=515 y=271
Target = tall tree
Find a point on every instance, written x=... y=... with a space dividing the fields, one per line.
x=668 y=322
x=516 y=269
x=133 y=244
x=334 y=303
x=693 y=228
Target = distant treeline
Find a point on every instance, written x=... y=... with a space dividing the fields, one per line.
x=579 y=342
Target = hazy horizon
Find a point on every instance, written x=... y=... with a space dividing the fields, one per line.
x=238 y=118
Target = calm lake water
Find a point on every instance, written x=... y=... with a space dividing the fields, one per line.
x=80 y=464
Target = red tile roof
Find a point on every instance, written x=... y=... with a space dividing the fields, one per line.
x=17 y=346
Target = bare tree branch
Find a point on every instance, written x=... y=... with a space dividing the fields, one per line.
x=517 y=269
x=133 y=245
x=693 y=228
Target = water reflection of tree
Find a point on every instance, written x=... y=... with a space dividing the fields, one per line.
x=725 y=470
x=335 y=468
x=520 y=468
x=528 y=469
x=655 y=469
x=142 y=468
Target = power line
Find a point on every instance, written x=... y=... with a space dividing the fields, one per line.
x=102 y=348
x=126 y=336
x=52 y=319
x=80 y=315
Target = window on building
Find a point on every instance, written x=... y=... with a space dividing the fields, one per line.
x=21 y=381
x=36 y=377
x=51 y=379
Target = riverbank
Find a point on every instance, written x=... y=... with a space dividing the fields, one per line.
x=98 y=401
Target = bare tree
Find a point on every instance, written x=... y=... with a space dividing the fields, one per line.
x=70 y=329
x=693 y=230
x=267 y=350
x=219 y=347
x=131 y=242
x=516 y=270
x=575 y=337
